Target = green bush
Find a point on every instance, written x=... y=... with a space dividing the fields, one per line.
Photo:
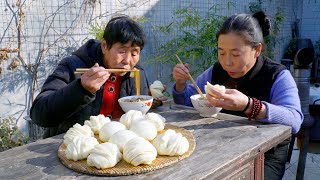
x=97 y=30
x=10 y=136
x=271 y=40
x=196 y=43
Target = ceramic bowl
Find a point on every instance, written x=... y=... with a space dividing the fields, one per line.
x=141 y=103
x=203 y=106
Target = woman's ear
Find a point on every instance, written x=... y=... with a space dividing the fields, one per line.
x=258 y=50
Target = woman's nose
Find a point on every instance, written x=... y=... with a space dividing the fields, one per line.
x=228 y=60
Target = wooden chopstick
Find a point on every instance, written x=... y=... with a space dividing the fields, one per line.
x=83 y=70
x=193 y=82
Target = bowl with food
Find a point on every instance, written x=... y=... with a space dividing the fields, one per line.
x=141 y=103
x=203 y=107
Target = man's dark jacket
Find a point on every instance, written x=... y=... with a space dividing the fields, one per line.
x=63 y=101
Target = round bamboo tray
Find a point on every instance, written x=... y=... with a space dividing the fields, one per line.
x=123 y=168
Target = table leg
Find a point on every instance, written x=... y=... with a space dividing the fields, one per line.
x=259 y=167
x=305 y=136
x=293 y=138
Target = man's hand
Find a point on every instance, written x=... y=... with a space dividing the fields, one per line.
x=93 y=79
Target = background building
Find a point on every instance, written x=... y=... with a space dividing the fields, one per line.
x=36 y=34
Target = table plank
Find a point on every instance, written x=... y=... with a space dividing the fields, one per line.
x=223 y=145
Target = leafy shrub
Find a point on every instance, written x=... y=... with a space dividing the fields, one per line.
x=196 y=42
x=97 y=30
x=272 y=39
x=10 y=136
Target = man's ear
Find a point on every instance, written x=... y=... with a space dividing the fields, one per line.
x=258 y=50
x=103 y=46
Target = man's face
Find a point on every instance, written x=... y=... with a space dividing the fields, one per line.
x=120 y=56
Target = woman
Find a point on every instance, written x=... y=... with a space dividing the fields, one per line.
x=257 y=87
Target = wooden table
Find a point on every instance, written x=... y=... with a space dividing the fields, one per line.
x=227 y=147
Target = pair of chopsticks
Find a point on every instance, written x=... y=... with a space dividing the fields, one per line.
x=193 y=82
x=83 y=70
x=132 y=71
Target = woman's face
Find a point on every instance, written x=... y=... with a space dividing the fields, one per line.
x=235 y=56
x=120 y=56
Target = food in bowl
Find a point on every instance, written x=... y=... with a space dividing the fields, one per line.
x=203 y=107
x=135 y=99
x=141 y=103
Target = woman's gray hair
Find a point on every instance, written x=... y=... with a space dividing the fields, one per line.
x=244 y=25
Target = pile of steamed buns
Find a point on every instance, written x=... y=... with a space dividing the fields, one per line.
x=136 y=138
x=157 y=89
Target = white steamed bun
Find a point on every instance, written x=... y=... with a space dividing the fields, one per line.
x=156 y=89
x=157 y=120
x=217 y=87
x=105 y=155
x=96 y=122
x=129 y=117
x=139 y=151
x=145 y=129
x=80 y=147
x=77 y=130
x=121 y=137
x=109 y=129
x=171 y=143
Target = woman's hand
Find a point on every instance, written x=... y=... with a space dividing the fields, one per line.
x=180 y=75
x=232 y=99
x=93 y=79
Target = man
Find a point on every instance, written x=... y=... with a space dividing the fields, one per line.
x=67 y=98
